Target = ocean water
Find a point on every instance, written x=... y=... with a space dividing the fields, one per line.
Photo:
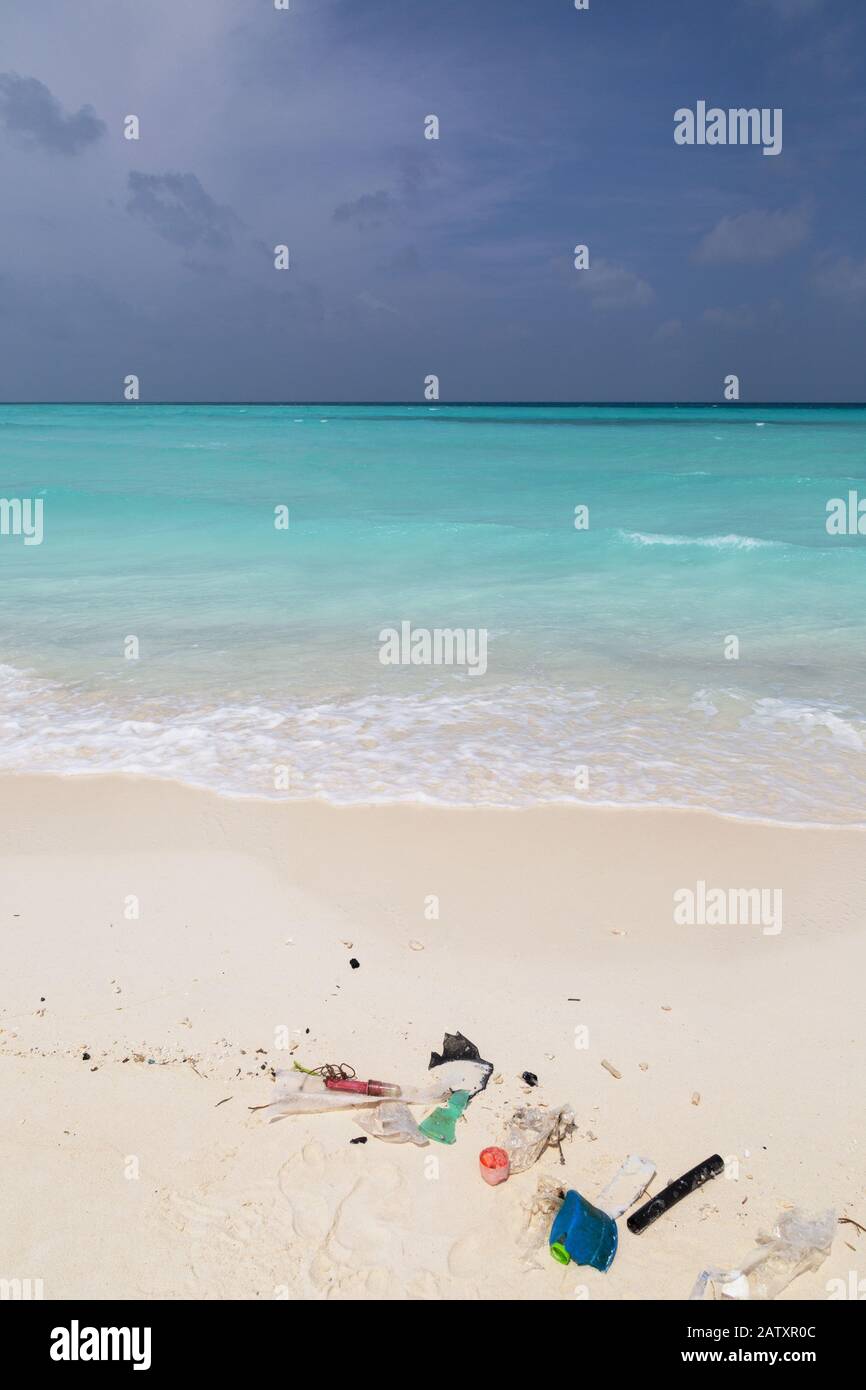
x=259 y=664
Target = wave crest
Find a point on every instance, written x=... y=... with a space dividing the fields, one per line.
x=732 y=541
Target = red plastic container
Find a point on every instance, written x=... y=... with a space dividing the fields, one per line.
x=495 y=1165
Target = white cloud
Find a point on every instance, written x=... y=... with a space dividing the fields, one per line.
x=754 y=236
x=611 y=286
x=378 y=306
x=842 y=278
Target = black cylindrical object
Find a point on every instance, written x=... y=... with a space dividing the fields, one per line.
x=689 y=1182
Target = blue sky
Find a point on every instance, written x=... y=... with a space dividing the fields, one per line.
x=411 y=256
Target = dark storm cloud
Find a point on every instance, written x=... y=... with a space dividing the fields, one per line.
x=413 y=179
x=306 y=128
x=31 y=112
x=179 y=210
x=406 y=261
x=370 y=210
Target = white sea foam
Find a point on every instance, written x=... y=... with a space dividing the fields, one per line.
x=732 y=541
x=809 y=719
x=507 y=746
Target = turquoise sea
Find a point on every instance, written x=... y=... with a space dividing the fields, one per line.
x=259 y=647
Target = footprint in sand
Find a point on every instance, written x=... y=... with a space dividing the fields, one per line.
x=232 y=1244
x=344 y=1224
x=361 y=1227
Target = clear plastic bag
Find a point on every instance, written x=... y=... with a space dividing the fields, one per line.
x=798 y=1244
x=539 y=1214
x=392 y=1121
x=531 y=1130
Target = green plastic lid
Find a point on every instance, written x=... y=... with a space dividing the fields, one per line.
x=560 y=1253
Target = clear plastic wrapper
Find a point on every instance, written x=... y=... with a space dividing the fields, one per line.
x=798 y=1244
x=540 y=1212
x=531 y=1130
x=392 y=1121
x=298 y=1093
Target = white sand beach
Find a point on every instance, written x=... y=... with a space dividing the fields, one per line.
x=141 y=1171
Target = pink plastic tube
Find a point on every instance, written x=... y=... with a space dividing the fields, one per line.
x=365 y=1088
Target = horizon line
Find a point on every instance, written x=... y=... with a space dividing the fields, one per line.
x=506 y=405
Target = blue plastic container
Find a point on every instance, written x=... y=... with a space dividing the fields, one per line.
x=582 y=1233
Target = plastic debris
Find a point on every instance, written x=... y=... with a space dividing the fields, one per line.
x=582 y=1233
x=529 y=1077
x=531 y=1130
x=302 y=1094
x=798 y=1244
x=464 y=1076
x=442 y=1123
x=392 y=1121
x=624 y=1189
x=675 y=1192
x=494 y=1165
x=541 y=1209
x=362 y=1088
x=457 y=1048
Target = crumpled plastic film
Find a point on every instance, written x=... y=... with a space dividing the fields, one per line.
x=392 y=1121
x=798 y=1244
x=531 y=1130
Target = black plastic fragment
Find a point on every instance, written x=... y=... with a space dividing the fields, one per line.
x=456 y=1048
x=675 y=1192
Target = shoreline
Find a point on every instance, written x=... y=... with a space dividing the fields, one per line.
x=554 y=949
x=421 y=803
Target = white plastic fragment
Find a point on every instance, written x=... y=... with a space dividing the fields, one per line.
x=624 y=1189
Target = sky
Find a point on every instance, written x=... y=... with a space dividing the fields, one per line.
x=411 y=257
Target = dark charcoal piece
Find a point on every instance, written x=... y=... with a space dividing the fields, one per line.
x=355 y=964
x=361 y=1139
x=689 y=1182
x=529 y=1077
